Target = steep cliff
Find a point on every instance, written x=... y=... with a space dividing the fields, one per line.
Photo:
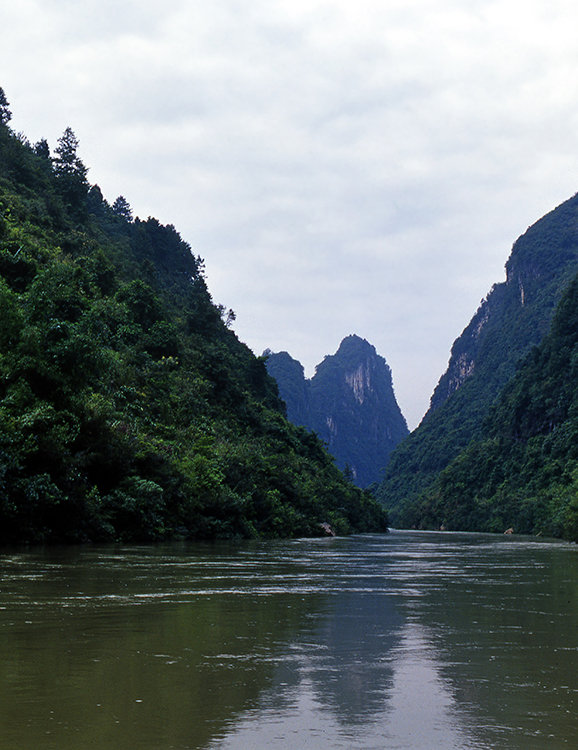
x=522 y=471
x=512 y=319
x=349 y=403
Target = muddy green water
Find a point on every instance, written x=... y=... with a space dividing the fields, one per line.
x=409 y=640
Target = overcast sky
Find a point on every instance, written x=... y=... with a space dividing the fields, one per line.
x=343 y=167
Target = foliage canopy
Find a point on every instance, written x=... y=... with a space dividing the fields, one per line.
x=496 y=448
x=128 y=408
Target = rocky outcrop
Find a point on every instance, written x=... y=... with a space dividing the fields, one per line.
x=462 y=362
x=349 y=403
x=516 y=313
x=510 y=321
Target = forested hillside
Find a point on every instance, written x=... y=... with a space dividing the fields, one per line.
x=128 y=408
x=523 y=471
x=349 y=403
x=514 y=317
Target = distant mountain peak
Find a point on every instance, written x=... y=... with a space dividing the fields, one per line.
x=349 y=403
x=355 y=341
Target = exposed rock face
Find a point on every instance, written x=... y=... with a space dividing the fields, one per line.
x=513 y=318
x=463 y=357
x=516 y=313
x=349 y=403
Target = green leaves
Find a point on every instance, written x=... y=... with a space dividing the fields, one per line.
x=523 y=470
x=70 y=172
x=5 y=113
x=482 y=396
x=128 y=408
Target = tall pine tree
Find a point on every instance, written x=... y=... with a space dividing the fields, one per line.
x=70 y=171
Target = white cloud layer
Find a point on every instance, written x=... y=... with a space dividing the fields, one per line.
x=342 y=167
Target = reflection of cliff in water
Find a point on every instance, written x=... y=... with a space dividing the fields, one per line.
x=333 y=681
x=413 y=640
x=354 y=673
x=502 y=630
x=336 y=675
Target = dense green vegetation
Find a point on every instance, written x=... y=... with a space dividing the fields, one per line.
x=349 y=403
x=128 y=408
x=523 y=471
x=514 y=317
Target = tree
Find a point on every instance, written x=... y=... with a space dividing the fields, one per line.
x=69 y=169
x=230 y=318
x=5 y=113
x=121 y=207
x=96 y=202
x=67 y=162
x=42 y=149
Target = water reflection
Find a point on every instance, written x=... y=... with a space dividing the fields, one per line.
x=406 y=641
x=408 y=707
x=505 y=631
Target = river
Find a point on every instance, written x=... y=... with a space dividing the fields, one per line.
x=411 y=640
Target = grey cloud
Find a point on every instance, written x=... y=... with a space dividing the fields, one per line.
x=342 y=167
